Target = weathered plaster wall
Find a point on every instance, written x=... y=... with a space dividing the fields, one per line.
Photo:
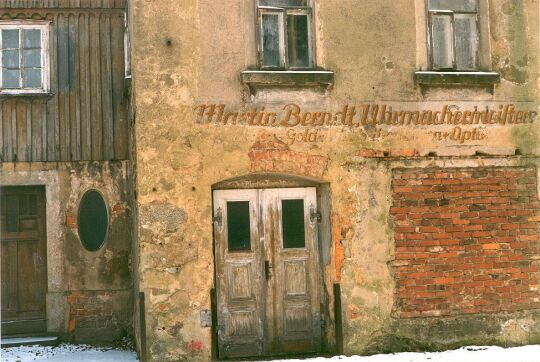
x=193 y=54
x=89 y=295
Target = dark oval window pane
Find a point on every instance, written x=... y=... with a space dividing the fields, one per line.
x=238 y=226
x=93 y=220
x=292 y=219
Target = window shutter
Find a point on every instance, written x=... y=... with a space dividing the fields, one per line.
x=442 y=38
x=466 y=41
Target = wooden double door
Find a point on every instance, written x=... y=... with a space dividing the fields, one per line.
x=23 y=260
x=267 y=272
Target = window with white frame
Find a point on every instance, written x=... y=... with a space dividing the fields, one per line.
x=24 y=57
x=454 y=34
x=285 y=34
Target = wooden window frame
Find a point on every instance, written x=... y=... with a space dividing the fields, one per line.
x=44 y=27
x=452 y=14
x=282 y=13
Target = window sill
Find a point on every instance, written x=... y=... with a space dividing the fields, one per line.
x=26 y=95
x=457 y=78
x=288 y=78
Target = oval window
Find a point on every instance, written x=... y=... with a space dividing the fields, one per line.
x=93 y=220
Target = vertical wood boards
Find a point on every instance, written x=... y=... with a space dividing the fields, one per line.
x=85 y=115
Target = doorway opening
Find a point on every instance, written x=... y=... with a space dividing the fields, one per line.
x=269 y=282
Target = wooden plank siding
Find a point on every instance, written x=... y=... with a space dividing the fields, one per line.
x=85 y=115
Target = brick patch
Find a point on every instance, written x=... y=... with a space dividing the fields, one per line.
x=464 y=242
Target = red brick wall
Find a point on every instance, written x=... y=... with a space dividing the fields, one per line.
x=464 y=242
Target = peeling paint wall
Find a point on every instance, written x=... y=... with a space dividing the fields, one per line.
x=193 y=54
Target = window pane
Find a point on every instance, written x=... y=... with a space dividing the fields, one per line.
x=32 y=78
x=10 y=59
x=292 y=219
x=10 y=39
x=238 y=226
x=455 y=5
x=283 y=3
x=93 y=220
x=466 y=41
x=270 y=25
x=32 y=38
x=10 y=78
x=443 y=49
x=297 y=35
x=32 y=58
x=12 y=216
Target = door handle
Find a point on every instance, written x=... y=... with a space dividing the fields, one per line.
x=267 y=268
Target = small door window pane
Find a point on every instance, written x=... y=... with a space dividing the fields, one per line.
x=10 y=39
x=466 y=41
x=93 y=220
x=32 y=78
x=32 y=205
x=443 y=48
x=238 y=226
x=10 y=59
x=298 y=44
x=32 y=58
x=32 y=38
x=455 y=5
x=10 y=78
x=12 y=215
x=270 y=29
x=292 y=220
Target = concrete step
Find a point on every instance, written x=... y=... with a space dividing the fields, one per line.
x=7 y=342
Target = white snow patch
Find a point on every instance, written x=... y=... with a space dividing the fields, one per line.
x=66 y=353
x=465 y=354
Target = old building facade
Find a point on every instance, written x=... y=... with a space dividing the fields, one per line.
x=281 y=177
x=65 y=188
x=335 y=175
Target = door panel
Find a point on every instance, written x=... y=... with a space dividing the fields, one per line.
x=295 y=281
x=238 y=274
x=267 y=286
x=23 y=259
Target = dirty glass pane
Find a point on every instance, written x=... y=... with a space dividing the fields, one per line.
x=32 y=205
x=283 y=3
x=292 y=219
x=93 y=220
x=454 y=5
x=32 y=78
x=10 y=39
x=298 y=38
x=23 y=205
x=10 y=58
x=466 y=41
x=12 y=213
x=32 y=38
x=32 y=58
x=442 y=39
x=238 y=226
x=10 y=78
x=270 y=30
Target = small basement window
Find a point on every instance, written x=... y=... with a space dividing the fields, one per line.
x=93 y=220
x=24 y=57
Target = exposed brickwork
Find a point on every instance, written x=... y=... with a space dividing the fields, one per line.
x=268 y=154
x=101 y=314
x=464 y=242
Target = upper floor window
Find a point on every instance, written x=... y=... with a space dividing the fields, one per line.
x=285 y=34
x=454 y=34
x=24 y=57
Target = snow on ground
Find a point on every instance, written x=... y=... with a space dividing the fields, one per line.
x=465 y=354
x=82 y=353
x=66 y=353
